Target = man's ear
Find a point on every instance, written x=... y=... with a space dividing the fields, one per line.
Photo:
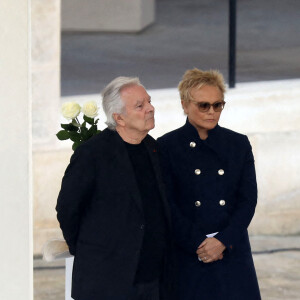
x=119 y=119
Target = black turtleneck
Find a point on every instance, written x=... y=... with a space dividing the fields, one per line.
x=151 y=255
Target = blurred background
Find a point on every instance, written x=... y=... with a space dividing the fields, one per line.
x=78 y=47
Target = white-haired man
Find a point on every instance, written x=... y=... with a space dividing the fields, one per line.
x=112 y=209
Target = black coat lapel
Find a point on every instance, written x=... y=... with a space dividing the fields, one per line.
x=152 y=150
x=122 y=162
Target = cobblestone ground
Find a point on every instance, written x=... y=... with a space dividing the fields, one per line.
x=278 y=272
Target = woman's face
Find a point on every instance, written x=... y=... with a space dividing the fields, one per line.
x=203 y=121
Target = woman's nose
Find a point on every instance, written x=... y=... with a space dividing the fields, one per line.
x=211 y=110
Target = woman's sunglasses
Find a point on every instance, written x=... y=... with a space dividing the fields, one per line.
x=205 y=106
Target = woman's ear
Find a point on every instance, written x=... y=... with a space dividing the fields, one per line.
x=185 y=105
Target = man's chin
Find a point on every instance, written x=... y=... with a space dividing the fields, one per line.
x=151 y=125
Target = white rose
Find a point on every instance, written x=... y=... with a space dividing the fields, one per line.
x=90 y=109
x=70 y=110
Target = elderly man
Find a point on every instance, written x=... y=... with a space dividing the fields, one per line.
x=112 y=209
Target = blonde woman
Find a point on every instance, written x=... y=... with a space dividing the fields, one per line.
x=211 y=183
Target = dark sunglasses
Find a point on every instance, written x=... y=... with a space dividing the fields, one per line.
x=205 y=106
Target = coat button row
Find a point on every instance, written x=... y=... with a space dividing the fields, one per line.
x=220 y=172
x=221 y=202
x=197 y=171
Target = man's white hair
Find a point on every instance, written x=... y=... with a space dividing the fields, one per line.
x=111 y=98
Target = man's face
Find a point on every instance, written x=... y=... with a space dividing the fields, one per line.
x=203 y=121
x=139 y=112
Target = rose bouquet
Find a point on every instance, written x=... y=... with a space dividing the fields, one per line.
x=75 y=131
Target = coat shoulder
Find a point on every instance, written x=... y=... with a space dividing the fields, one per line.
x=228 y=133
x=170 y=137
x=150 y=140
x=231 y=132
x=99 y=140
x=108 y=144
x=233 y=136
x=100 y=146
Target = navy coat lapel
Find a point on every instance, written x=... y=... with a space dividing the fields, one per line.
x=215 y=140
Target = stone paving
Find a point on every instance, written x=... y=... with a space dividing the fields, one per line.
x=278 y=272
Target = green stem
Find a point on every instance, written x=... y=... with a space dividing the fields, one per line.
x=77 y=121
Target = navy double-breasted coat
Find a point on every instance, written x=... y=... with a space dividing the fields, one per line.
x=100 y=212
x=212 y=188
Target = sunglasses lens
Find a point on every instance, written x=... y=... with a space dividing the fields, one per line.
x=203 y=106
x=218 y=106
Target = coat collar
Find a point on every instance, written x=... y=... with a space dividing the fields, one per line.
x=215 y=140
x=191 y=131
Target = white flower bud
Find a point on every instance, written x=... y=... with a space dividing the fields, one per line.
x=70 y=110
x=90 y=109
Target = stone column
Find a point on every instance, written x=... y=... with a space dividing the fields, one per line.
x=45 y=115
x=16 y=276
x=45 y=71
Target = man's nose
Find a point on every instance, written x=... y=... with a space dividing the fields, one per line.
x=150 y=107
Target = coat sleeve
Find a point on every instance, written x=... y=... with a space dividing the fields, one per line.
x=76 y=190
x=246 y=203
x=185 y=233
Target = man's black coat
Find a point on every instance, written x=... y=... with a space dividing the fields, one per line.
x=100 y=212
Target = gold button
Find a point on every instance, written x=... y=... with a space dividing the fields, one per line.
x=197 y=172
x=197 y=203
x=192 y=144
x=221 y=172
x=222 y=202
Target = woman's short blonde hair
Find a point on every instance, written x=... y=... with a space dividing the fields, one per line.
x=196 y=78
